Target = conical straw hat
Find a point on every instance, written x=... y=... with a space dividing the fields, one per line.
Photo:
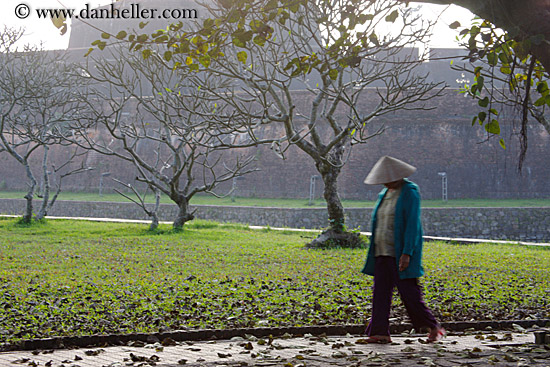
x=389 y=169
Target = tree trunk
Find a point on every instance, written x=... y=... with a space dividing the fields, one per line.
x=154 y=213
x=154 y=222
x=27 y=217
x=335 y=209
x=336 y=235
x=183 y=214
x=46 y=194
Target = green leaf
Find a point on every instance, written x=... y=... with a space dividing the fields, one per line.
x=392 y=17
x=184 y=47
x=513 y=84
x=146 y=53
x=271 y=5
x=143 y=24
x=477 y=71
x=505 y=70
x=102 y=45
x=196 y=40
x=89 y=51
x=374 y=39
x=240 y=38
x=205 y=60
x=502 y=144
x=472 y=43
x=492 y=58
x=542 y=87
x=474 y=120
x=483 y=102
x=60 y=23
x=237 y=42
x=504 y=58
x=105 y=35
x=175 y=26
x=161 y=39
x=233 y=16
x=259 y=40
x=121 y=35
x=493 y=127
x=482 y=116
x=454 y=25
x=540 y=102
x=272 y=15
x=255 y=25
x=480 y=82
x=242 y=56
x=333 y=74
x=188 y=60
x=168 y=55
x=283 y=18
x=208 y=23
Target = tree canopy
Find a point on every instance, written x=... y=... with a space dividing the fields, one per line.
x=522 y=20
x=509 y=47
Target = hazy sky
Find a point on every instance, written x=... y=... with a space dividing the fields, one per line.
x=42 y=29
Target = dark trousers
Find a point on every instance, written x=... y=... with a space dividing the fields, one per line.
x=386 y=278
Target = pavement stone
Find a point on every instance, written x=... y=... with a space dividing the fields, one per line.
x=464 y=349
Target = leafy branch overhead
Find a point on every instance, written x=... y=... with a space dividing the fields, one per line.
x=246 y=23
x=506 y=74
x=512 y=40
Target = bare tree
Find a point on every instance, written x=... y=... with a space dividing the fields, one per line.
x=140 y=112
x=313 y=74
x=140 y=200
x=36 y=104
x=58 y=172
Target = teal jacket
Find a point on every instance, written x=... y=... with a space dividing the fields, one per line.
x=408 y=231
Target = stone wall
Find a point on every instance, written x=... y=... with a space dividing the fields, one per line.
x=525 y=224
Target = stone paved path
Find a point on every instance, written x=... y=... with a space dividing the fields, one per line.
x=474 y=349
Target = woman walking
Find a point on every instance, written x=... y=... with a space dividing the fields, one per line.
x=395 y=252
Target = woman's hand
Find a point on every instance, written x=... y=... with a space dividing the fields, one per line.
x=404 y=262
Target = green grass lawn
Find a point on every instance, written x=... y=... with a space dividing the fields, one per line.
x=79 y=278
x=295 y=203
